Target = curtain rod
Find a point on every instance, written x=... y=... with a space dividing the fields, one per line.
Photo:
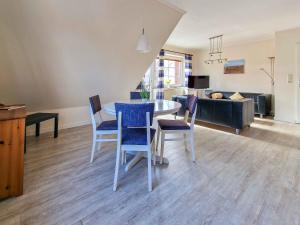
x=182 y=53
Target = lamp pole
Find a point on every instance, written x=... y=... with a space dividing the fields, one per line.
x=271 y=76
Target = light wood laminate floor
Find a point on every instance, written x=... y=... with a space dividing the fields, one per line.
x=252 y=178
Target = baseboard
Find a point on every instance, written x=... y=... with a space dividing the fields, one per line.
x=75 y=124
x=284 y=120
x=31 y=130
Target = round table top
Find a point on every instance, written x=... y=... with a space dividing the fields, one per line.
x=162 y=107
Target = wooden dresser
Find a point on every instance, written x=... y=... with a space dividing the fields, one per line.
x=12 y=134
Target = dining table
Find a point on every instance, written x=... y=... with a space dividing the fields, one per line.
x=161 y=107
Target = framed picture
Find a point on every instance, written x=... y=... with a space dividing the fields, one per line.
x=234 y=66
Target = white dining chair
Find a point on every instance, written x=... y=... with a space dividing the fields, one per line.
x=179 y=127
x=100 y=127
x=135 y=134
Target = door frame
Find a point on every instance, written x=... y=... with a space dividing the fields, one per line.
x=297 y=84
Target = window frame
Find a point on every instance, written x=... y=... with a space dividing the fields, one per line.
x=177 y=58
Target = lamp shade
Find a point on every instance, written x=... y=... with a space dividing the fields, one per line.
x=143 y=45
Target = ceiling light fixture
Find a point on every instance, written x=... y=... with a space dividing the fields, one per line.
x=143 y=45
x=215 y=50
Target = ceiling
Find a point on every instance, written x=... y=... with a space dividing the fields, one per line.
x=239 y=21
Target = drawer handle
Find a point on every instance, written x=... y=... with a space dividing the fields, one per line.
x=1 y=142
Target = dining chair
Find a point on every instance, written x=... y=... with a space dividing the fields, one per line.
x=135 y=134
x=135 y=95
x=178 y=127
x=100 y=127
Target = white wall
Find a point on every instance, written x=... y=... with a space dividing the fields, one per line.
x=55 y=54
x=285 y=101
x=253 y=80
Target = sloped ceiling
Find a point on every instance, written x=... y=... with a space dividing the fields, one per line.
x=54 y=54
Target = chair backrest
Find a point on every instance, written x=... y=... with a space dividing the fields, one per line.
x=135 y=95
x=191 y=108
x=95 y=108
x=95 y=103
x=134 y=115
x=191 y=103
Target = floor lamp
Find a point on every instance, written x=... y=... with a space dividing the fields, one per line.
x=271 y=76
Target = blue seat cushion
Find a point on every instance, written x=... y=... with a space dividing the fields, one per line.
x=108 y=125
x=173 y=125
x=136 y=136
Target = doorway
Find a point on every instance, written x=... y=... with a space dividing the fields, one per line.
x=297 y=84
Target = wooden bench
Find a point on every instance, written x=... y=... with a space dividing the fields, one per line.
x=37 y=118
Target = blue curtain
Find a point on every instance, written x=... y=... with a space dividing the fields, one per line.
x=160 y=77
x=187 y=68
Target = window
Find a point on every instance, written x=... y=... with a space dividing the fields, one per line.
x=147 y=78
x=173 y=72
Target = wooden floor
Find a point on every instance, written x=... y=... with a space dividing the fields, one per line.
x=253 y=178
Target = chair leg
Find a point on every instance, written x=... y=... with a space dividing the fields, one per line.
x=162 y=145
x=93 y=148
x=123 y=157
x=157 y=138
x=153 y=153
x=99 y=143
x=117 y=168
x=149 y=170
x=193 y=146
x=185 y=141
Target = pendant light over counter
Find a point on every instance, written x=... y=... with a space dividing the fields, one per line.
x=143 y=45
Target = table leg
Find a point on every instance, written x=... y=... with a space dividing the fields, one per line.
x=139 y=156
x=56 y=127
x=37 y=129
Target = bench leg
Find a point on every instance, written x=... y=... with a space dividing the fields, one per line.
x=56 y=127
x=37 y=129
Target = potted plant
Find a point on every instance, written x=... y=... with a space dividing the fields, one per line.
x=167 y=82
x=145 y=93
